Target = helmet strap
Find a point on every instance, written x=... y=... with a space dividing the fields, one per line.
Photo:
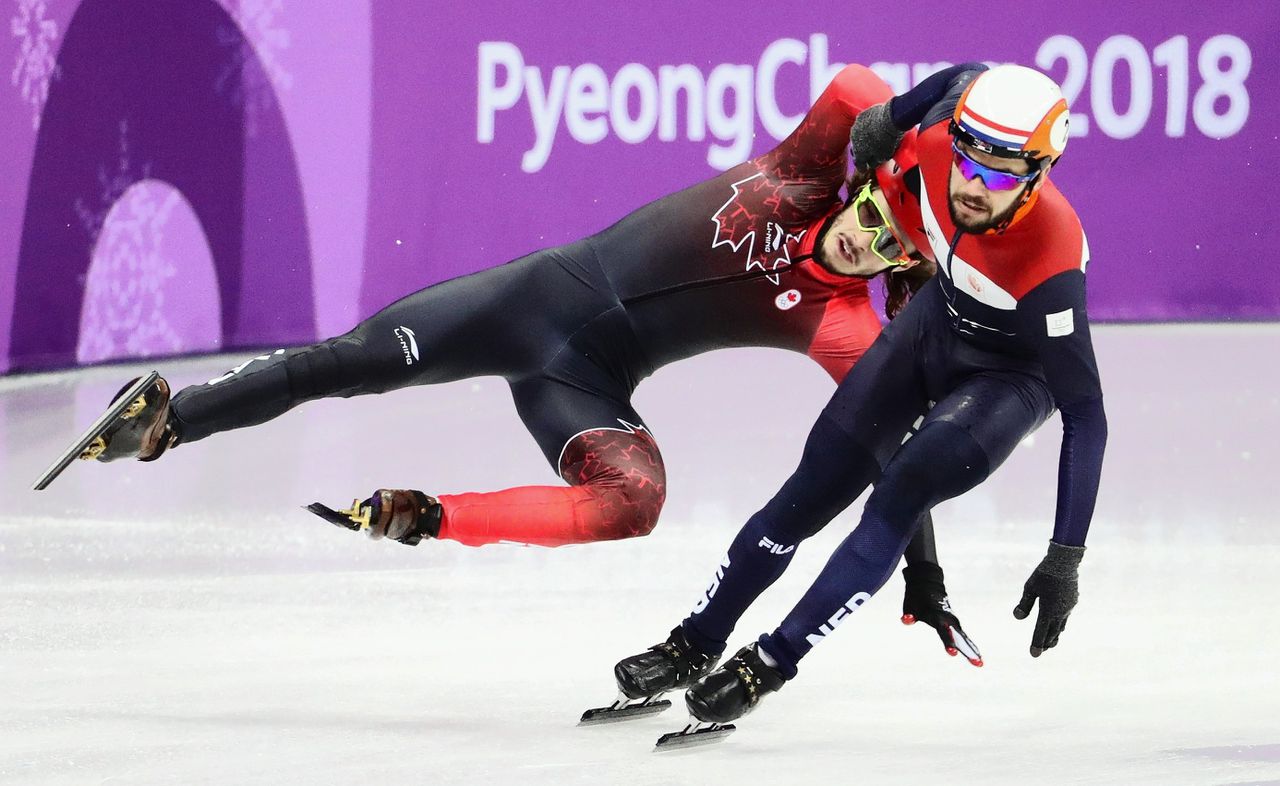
x=1028 y=193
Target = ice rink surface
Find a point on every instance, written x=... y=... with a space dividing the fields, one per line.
x=186 y=622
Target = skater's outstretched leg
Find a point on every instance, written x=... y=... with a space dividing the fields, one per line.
x=598 y=445
x=619 y=487
x=588 y=431
x=506 y=321
x=458 y=329
x=618 y=484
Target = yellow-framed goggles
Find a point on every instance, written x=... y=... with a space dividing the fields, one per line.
x=886 y=243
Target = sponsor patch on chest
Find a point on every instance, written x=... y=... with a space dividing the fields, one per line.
x=1061 y=323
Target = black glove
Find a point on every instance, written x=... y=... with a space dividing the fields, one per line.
x=926 y=601
x=874 y=138
x=1055 y=581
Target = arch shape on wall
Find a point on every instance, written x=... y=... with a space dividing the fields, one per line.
x=163 y=91
x=151 y=288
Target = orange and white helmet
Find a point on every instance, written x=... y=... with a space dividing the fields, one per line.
x=1014 y=112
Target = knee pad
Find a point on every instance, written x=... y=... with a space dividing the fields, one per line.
x=625 y=471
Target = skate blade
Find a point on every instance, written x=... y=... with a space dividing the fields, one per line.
x=340 y=518
x=622 y=711
x=696 y=733
x=126 y=401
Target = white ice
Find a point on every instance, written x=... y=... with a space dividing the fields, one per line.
x=186 y=622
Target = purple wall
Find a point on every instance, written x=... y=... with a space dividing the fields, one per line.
x=183 y=177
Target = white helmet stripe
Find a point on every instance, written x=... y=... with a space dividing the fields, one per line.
x=1013 y=140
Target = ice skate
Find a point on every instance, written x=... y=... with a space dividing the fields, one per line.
x=138 y=424
x=403 y=515
x=643 y=679
x=144 y=430
x=734 y=689
x=722 y=696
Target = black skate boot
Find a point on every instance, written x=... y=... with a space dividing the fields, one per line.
x=675 y=663
x=734 y=689
x=145 y=430
x=404 y=515
x=643 y=678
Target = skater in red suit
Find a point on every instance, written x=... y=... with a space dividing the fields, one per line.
x=777 y=251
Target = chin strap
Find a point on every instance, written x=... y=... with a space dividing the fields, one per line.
x=1028 y=200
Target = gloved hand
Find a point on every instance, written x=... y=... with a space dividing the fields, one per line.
x=926 y=601
x=1055 y=581
x=874 y=138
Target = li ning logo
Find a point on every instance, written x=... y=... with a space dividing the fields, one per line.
x=408 y=344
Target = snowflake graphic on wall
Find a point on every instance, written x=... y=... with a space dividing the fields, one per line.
x=125 y=291
x=35 y=67
x=114 y=181
x=254 y=72
x=125 y=288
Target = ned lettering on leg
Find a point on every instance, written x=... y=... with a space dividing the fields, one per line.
x=825 y=629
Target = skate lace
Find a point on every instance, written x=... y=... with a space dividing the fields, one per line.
x=686 y=663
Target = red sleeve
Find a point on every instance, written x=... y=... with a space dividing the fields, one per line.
x=849 y=326
x=817 y=148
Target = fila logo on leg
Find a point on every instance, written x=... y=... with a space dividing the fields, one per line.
x=775 y=548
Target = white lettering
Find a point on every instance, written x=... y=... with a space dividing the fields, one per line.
x=671 y=80
x=820 y=71
x=638 y=101
x=737 y=127
x=243 y=366
x=587 y=101
x=830 y=625
x=632 y=130
x=897 y=75
x=775 y=548
x=545 y=106
x=786 y=50
x=493 y=96
x=922 y=71
x=714 y=586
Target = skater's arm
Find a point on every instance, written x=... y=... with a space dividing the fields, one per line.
x=925 y=597
x=817 y=149
x=1056 y=323
x=879 y=131
x=934 y=99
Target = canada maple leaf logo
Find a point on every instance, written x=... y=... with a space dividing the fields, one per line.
x=737 y=224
